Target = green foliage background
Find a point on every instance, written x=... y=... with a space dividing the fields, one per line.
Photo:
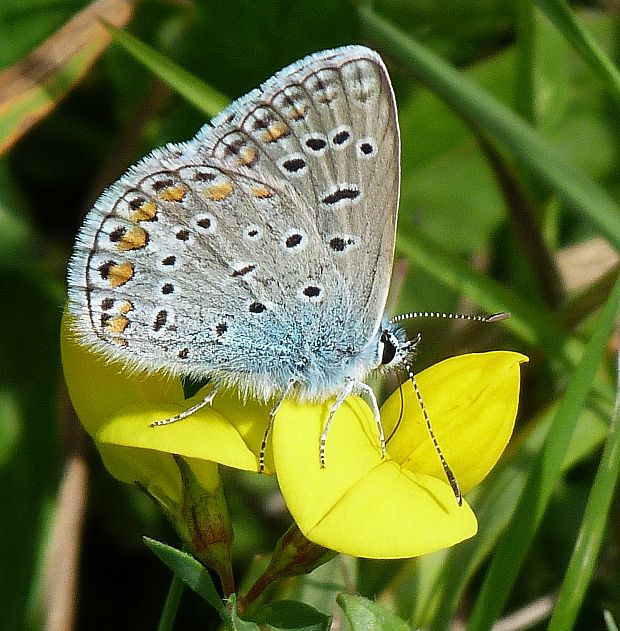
x=505 y=164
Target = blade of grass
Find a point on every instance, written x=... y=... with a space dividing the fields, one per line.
x=480 y=108
x=542 y=478
x=583 y=560
x=203 y=96
x=496 y=505
x=33 y=87
x=564 y=20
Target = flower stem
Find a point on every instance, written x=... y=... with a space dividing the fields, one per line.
x=293 y=555
x=171 y=605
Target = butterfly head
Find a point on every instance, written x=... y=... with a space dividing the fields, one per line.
x=394 y=348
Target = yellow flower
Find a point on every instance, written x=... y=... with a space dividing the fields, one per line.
x=401 y=505
x=360 y=503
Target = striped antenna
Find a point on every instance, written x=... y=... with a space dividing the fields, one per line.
x=495 y=317
x=446 y=468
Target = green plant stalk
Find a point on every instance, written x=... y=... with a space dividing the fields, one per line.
x=542 y=479
x=587 y=548
x=173 y=598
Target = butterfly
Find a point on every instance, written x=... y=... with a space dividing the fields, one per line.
x=259 y=253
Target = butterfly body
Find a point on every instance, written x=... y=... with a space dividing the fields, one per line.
x=259 y=253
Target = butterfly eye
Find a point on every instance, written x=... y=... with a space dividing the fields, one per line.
x=389 y=349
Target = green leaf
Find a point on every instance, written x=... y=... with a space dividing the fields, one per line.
x=542 y=478
x=481 y=109
x=203 y=96
x=291 y=614
x=364 y=614
x=190 y=571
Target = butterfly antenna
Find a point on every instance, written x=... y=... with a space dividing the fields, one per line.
x=451 y=478
x=495 y=317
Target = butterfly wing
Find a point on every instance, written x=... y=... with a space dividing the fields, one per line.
x=327 y=125
x=245 y=250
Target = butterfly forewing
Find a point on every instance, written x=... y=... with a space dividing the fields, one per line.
x=328 y=126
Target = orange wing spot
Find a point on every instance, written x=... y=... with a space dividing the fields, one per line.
x=146 y=212
x=248 y=156
x=218 y=192
x=298 y=112
x=275 y=131
x=133 y=239
x=117 y=324
x=325 y=96
x=125 y=307
x=120 y=273
x=172 y=193
x=262 y=192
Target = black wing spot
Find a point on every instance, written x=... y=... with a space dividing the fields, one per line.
x=244 y=270
x=161 y=184
x=104 y=269
x=293 y=240
x=160 y=320
x=117 y=234
x=201 y=176
x=316 y=144
x=260 y=123
x=169 y=260
x=107 y=304
x=339 y=244
x=183 y=353
x=205 y=223
x=341 y=137
x=294 y=164
x=167 y=288
x=312 y=291
x=235 y=147
x=221 y=328
x=341 y=194
x=182 y=235
x=137 y=202
x=257 y=307
x=366 y=148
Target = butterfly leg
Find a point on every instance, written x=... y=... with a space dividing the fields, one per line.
x=272 y=416
x=353 y=387
x=185 y=413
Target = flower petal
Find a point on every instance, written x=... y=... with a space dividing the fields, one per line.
x=99 y=387
x=117 y=406
x=360 y=504
x=471 y=401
